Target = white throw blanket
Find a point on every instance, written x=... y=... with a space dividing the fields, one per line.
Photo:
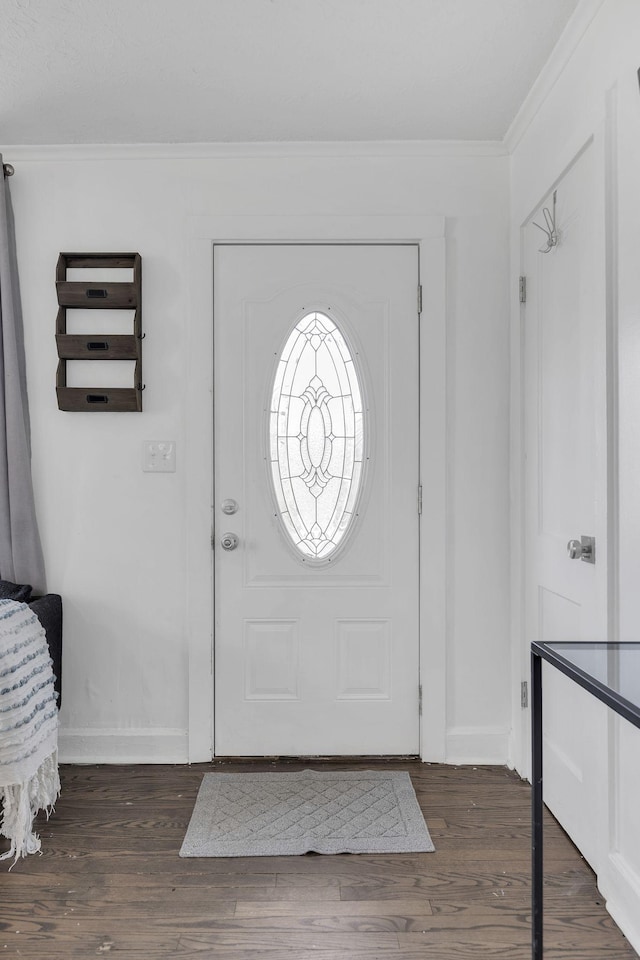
x=29 y=779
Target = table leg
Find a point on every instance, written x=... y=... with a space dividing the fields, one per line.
x=536 y=807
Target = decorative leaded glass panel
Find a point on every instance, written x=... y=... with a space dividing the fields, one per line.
x=316 y=436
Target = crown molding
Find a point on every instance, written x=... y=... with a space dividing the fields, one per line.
x=405 y=149
x=560 y=56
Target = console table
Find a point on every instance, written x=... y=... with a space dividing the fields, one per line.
x=611 y=673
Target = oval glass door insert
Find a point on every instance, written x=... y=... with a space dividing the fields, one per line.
x=316 y=437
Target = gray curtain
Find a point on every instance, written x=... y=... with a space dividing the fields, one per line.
x=20 y=550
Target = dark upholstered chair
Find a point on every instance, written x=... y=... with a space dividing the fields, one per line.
x=48 y=610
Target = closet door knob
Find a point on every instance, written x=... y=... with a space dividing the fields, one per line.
x=582 y=549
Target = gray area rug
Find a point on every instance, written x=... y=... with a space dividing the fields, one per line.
x=282 y=814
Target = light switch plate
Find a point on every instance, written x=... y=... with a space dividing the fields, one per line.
x=159 y=456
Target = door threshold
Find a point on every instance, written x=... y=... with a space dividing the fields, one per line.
x=321 y=758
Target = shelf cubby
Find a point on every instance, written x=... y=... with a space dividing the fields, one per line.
x=94 y=345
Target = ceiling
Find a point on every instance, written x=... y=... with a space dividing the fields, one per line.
x=201 y=71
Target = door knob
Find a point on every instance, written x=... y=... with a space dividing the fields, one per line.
x=582 y=549
x=229 y=541
x=574 y=549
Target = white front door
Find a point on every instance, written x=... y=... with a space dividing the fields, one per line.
x=316 y=455
x=564 y=331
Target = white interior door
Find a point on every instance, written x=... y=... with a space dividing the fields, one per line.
x=565 y=482
x=316 y=450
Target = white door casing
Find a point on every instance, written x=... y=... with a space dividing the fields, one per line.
x=565 y=492
x=316 y=659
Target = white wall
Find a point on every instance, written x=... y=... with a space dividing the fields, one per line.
x=115 y=538
x=596 y=93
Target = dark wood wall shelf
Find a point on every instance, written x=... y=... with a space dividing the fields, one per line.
x=99 y=295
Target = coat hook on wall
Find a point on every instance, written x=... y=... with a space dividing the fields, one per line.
x=550 y=231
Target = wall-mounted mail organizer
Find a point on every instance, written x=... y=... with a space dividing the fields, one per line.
x=99 y=295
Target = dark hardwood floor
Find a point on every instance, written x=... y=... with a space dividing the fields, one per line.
x=110 y=881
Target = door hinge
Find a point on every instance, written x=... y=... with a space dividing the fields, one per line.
x=522 y=286
x=419 y=499
x=524 y=694
x=420 y=700
x=419 y=298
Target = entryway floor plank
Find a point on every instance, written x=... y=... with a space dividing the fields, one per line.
x=110 y=881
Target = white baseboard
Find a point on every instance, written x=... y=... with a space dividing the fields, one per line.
x=464 y=745
x=138 y=745
x=477 y=745
x=620 y=886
